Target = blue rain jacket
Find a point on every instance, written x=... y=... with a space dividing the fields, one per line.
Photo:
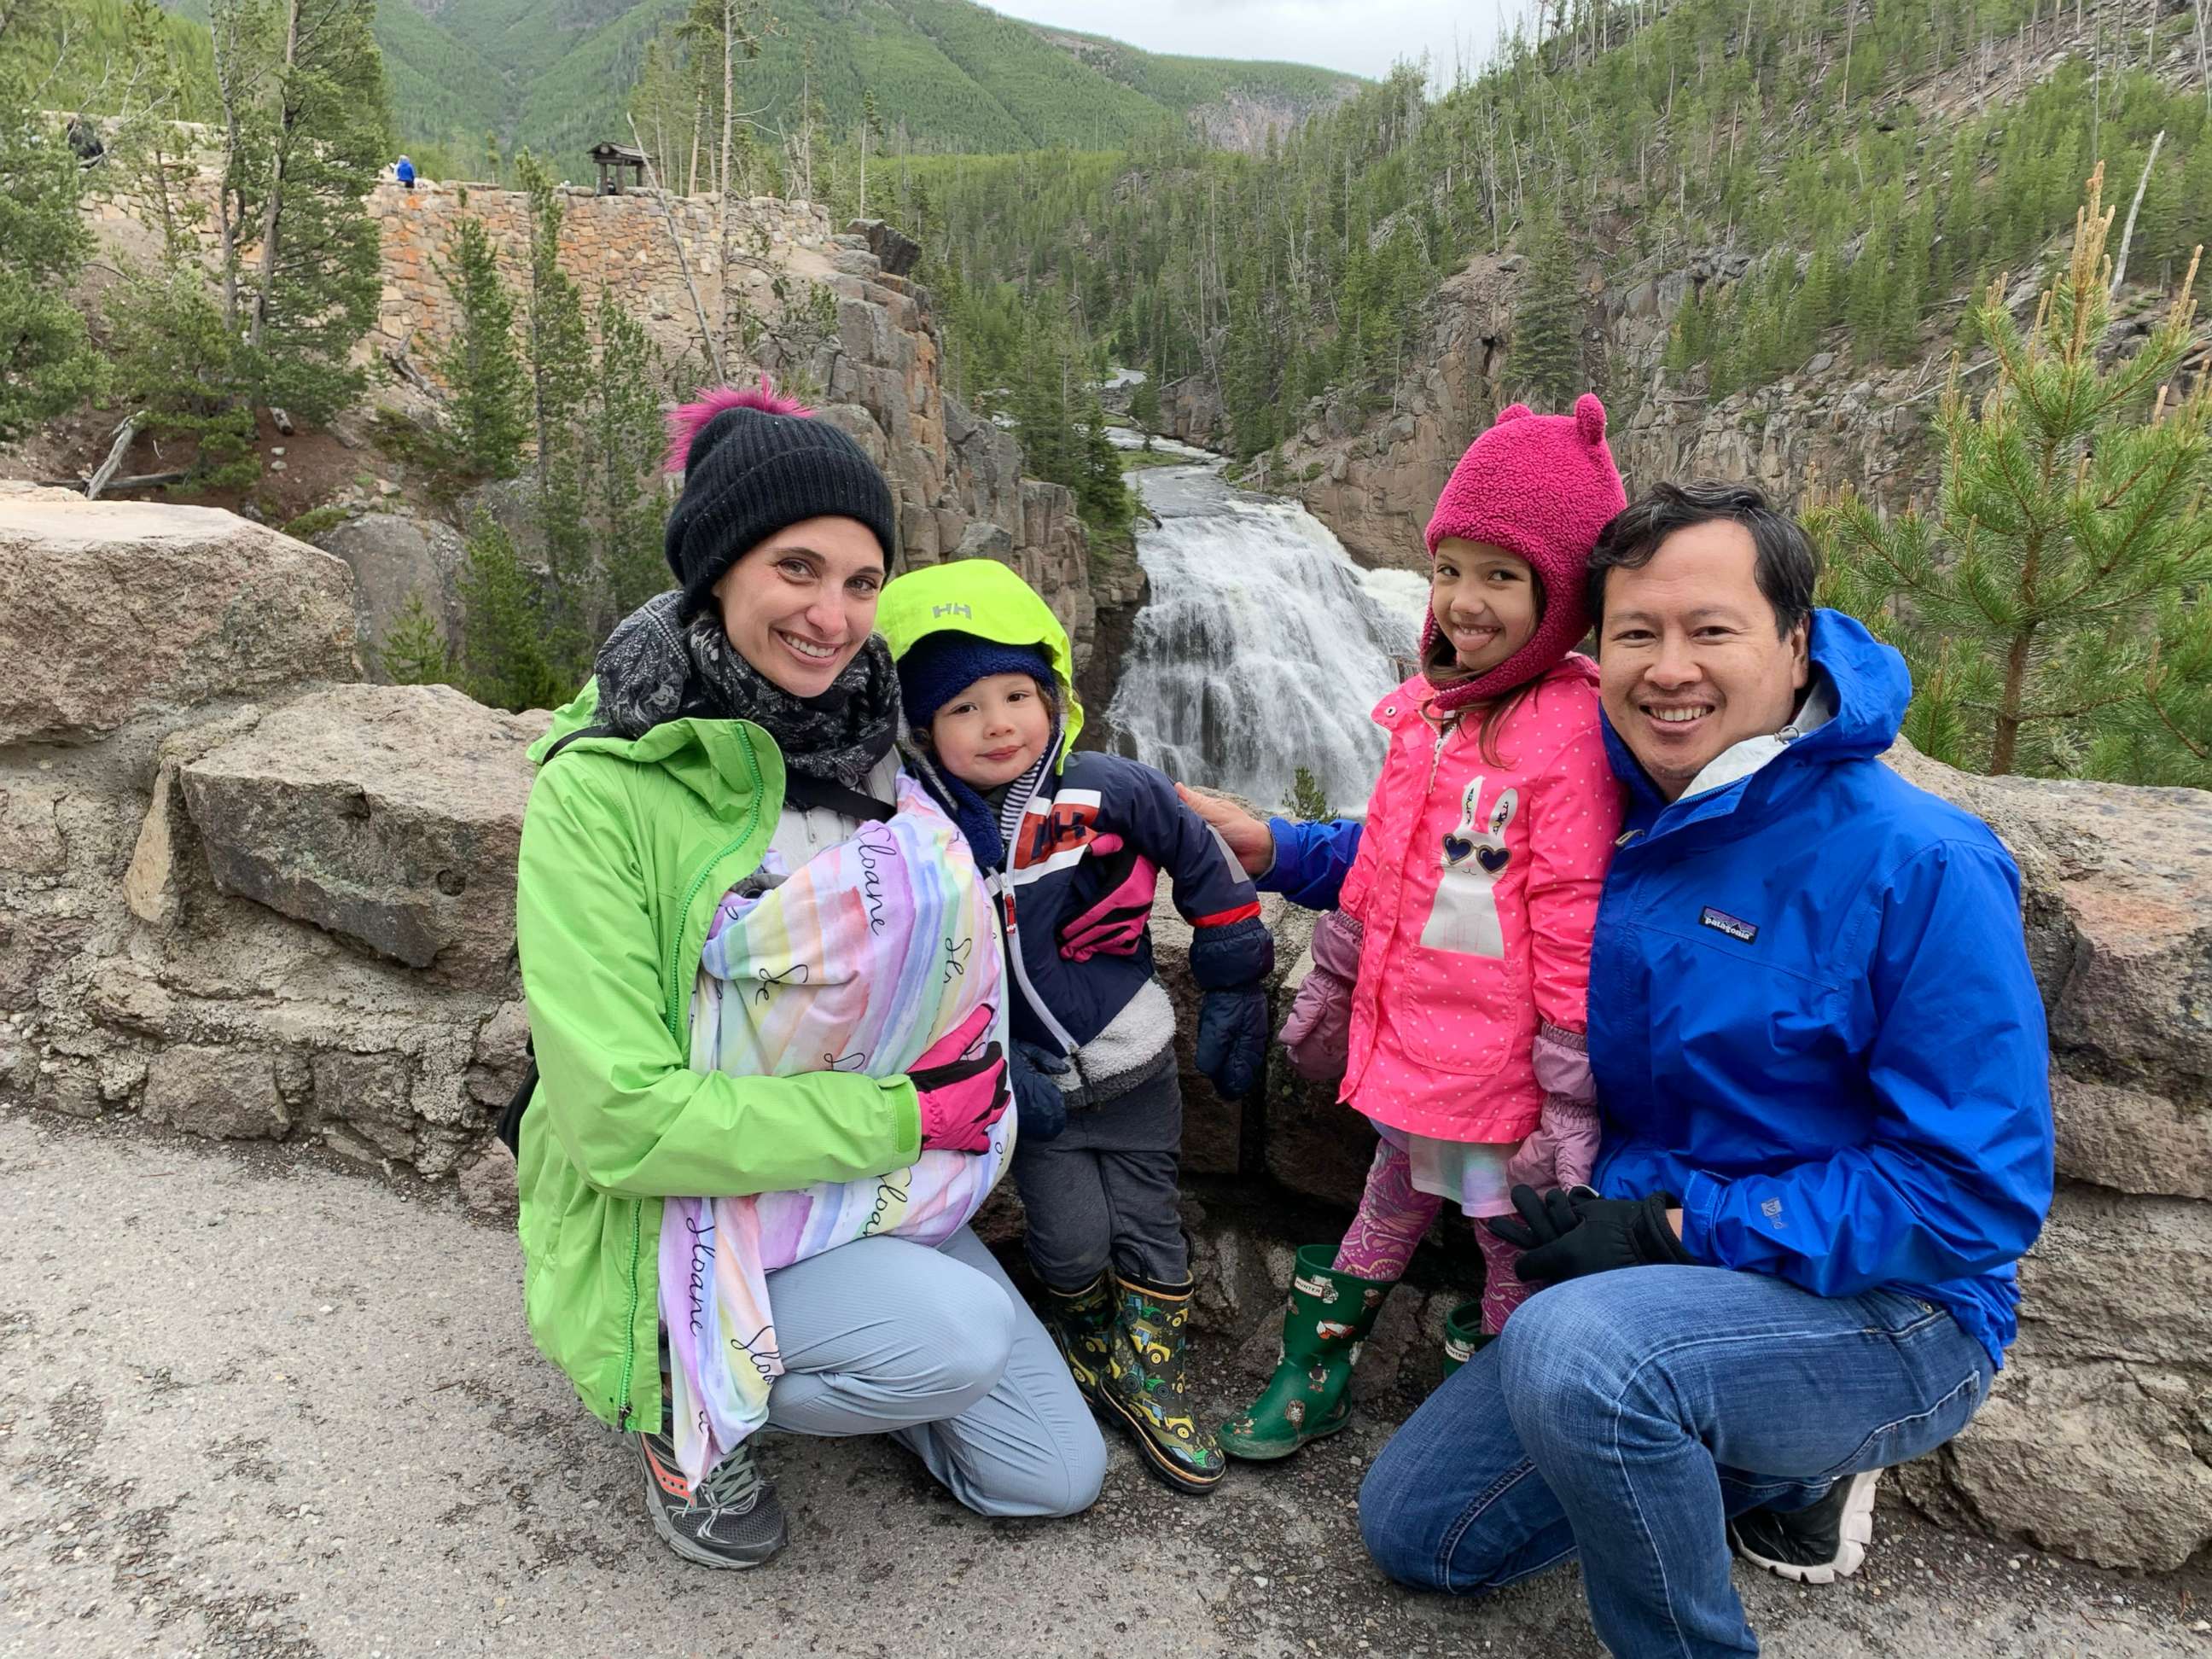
x=1812 y=1017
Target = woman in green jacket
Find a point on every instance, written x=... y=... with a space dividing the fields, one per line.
x=737 y=715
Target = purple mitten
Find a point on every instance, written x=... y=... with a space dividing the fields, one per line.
x=1115 y=925
x=1563 y=1149
x=1318 y=1033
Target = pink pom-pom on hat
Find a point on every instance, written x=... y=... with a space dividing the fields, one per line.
x=685 y=420
x=1541 y=486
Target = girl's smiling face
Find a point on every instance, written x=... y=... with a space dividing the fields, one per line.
x=1486 y=600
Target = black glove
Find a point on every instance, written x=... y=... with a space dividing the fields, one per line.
x=1039 y=1105
x=1566 y=1235
x=1233 y=1038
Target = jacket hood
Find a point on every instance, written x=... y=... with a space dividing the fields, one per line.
x=1868 y=687
x=990 y=600
x=723 y=762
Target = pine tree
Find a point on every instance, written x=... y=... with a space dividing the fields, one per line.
x=623 y=434
x=305 y=133
x=179 y=362
x=507 y=660
x=2051 y=612
x=47 y=364
x=414 y=650
x=1546 y=359
x=1101 y=491
x=488 y=417
x=1144 y=406
x=558 y=353
x=1304 y=799
x=1867 y=297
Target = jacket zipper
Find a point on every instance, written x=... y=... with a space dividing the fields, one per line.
x=676 y=1031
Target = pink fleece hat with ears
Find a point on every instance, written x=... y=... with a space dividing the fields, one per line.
x=1541 y=486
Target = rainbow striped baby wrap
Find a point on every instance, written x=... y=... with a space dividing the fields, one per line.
x=860 y=960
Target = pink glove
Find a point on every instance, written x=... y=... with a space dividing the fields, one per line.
x=1563 y=1148
x=1318 y=1033
x=1115 y=924
x=962 y=1090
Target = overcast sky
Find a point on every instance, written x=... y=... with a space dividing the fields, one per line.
x=1362 y=36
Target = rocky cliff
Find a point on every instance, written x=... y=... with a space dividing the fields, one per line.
x=1373 y=474
x=244 y=895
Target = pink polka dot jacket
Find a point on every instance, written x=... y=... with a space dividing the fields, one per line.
x=1477 y=883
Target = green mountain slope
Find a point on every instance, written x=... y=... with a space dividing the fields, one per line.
x=554 y=74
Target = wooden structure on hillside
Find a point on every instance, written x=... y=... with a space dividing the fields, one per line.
x=619 y=166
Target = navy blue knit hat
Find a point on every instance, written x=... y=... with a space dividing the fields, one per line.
x=755 y=463
x=942 y=666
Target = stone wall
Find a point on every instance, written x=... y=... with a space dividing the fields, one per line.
x=628 y=243
x=243 y=894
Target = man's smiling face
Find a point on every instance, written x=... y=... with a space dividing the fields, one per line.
x=1689 y=660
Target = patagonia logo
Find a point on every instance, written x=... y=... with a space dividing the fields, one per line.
x=953 y=610
x=1730 y=925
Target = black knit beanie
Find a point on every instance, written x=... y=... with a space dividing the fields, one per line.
x=754 y=463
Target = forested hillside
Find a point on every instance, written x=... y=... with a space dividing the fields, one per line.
x=472 y=80
x=1874 y=161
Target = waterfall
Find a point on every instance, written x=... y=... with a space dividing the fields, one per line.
x=1262 y=648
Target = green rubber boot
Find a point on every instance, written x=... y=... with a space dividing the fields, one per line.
x=1311 y=1394
x=1082 y=1327
x=1463 y=1334
x=1146 y=1381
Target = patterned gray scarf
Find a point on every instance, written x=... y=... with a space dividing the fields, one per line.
x=655 y=668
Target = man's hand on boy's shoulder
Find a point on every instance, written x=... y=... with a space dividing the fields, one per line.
x=1248 y=837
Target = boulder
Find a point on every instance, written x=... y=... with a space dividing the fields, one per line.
x=2130 y=1139
x=131 y=608
x=895 y=251
x=2122 y=1278
x=388 y=815
x=225 y=1094
x=393 y=560
x=984 y=540
x=2089 y=1457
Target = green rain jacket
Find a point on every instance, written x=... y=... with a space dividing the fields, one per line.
x=628 y=846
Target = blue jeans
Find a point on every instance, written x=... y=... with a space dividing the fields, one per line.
x=1624 y=1417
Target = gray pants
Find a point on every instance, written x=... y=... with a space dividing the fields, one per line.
x=937 y=1349
x=1103 y=1194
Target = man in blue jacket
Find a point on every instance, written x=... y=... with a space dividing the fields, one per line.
x=1823 y=1067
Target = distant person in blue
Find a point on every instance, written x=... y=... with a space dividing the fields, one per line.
x=1823 y=1069
x=404 y=172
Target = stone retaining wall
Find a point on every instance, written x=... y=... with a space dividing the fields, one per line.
x=242 y=895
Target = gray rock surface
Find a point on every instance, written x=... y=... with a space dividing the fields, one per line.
x=225 y=1094
x=393 y=559
x=131 y=608
x=388 y=815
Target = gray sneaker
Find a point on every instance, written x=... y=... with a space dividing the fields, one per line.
x=731 y=1518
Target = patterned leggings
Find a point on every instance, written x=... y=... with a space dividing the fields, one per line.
x=1394 y=1214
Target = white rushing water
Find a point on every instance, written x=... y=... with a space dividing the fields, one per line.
x=1263 y=647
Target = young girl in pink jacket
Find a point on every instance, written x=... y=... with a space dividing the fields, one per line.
x=1448 y=990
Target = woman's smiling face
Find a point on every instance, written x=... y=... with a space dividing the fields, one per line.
x=799 y=606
